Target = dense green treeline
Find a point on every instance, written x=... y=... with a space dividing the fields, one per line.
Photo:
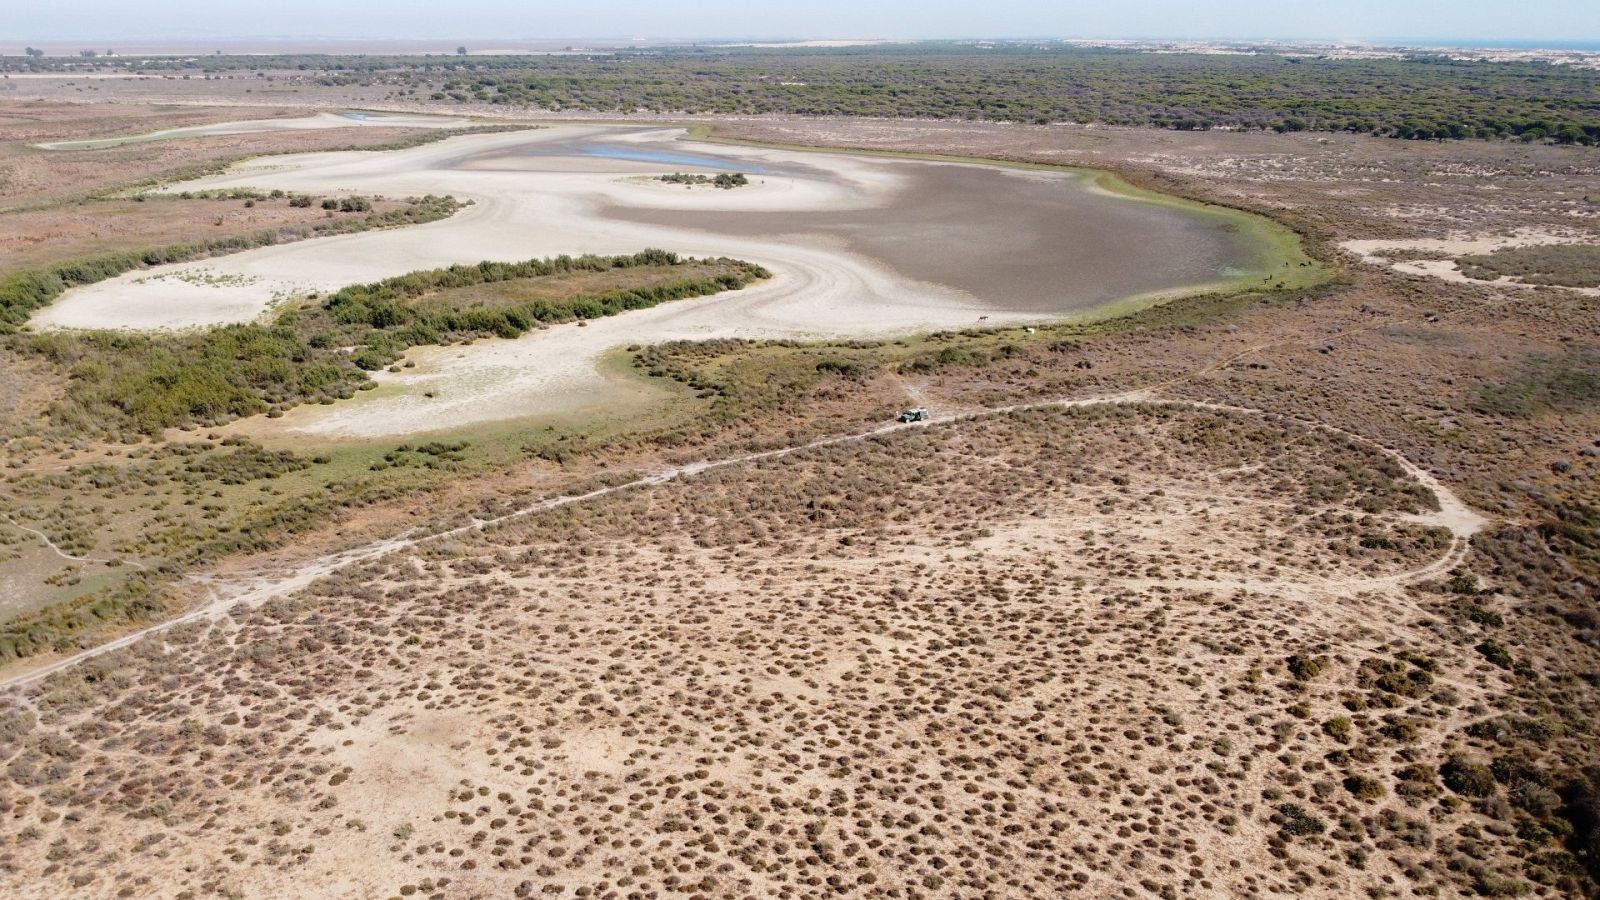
x=125 y=384
x=1425 y=96
x=1402 y=98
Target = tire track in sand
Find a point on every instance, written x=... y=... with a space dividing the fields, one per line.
x=1453 y=514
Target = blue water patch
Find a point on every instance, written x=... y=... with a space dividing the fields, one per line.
x=668 y=158
x=355 y=115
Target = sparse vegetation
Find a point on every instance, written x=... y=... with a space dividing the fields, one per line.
x=1565 y=265
x=1054 y=653
x=132 y=383
x=724 y=180
x=23 y=293
x=733 y=599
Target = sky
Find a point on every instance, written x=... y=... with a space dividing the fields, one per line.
x=1477 y=20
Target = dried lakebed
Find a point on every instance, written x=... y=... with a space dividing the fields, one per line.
x=860 y=246
x=316 y=122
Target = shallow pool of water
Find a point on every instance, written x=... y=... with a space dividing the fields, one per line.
x=666 y=158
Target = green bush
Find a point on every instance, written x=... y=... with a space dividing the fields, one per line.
x=1364 y=788
x=128 y=383
x=1466 y=778
x=1305 y=668
x=1494 y=653
x=1296 y=821
x=1339 y=728
x=24 y=293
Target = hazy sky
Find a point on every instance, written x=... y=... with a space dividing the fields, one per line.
x=108 y=20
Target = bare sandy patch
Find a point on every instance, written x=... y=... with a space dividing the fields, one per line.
x=846 y=263
x=1436 y=257
x=903 y=663
x=315 y=122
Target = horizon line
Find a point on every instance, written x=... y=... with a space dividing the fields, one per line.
x=1465 y=42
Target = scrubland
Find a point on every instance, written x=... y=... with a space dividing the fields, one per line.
x=1042 y=653
x=1214 y=638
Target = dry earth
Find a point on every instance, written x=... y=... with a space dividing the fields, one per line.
x=1046 y=656
x=32 y=178
x=1144 y=651
x=1047 y=247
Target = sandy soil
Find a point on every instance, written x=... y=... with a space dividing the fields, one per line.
x=1398 y=254
x=42 y=237
x=846 y=663
x=1450 y=513
x=575 y=189
x=316 y=122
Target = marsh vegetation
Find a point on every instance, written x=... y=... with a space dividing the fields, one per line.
x=1563 y=265
x=126 y=383
x=721 y=180
x=24 y=292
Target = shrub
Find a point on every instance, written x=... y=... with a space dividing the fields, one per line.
x=726 y=181
x=1364 y=788
x=841 y=367
x=1305 y=668
x=1480 y=614
x=1396 y=676
x=1494 y=653
x=1581 y=810
x=1296 y=821
x=1466 y=778
x=1490 y=885
x=1339 y=728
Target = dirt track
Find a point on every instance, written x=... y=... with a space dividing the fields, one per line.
x=1453 y=514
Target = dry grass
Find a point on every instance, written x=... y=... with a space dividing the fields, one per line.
x=1048 y=656
x=32 y=178
x=1336 y=186
x=960 y=662
x=39 y=238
